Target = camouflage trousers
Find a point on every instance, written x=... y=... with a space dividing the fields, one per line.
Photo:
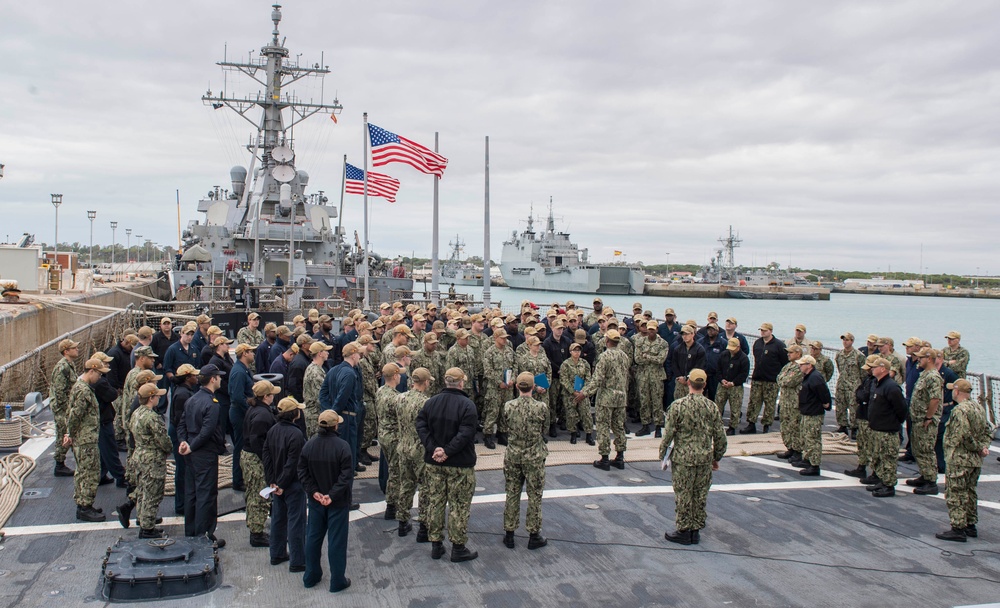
x=412 y=474
x=253 y=478
x=922 y=442
x=578 y=412
x=371 y=427
x=763 y=394
x=151 y=476
x=531 y=477
x=962 y=498
x=388 y=452
x=811 y=437
x=610 y=420
x=121 y=425
x=492 y=416
x=450 y=487
x=791 y=423
x=733 y=395
x=691 y=484
x=633 y=399
x=88 y=474
x=550 y=404
x=847 y=406
x=60 y=455
x=884 y=450
x=864 y=439
x=680 y=391
x=311 y=413
x=650 y=391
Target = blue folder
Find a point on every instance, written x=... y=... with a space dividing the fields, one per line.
x=542 y=381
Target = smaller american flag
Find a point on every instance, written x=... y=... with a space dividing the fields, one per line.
x=379 y=184
x=387 y=147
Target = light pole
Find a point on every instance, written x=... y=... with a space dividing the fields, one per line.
x=128 y=248
x=138 y=250
x=56 y=201
x=91 y=215
x=148 y=241
x=114 y=226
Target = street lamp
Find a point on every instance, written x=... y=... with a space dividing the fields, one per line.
x=90 y=216
x=56 y=201
x=148 y=241
x=128 y=248
x=114 y=226
x=138 y=250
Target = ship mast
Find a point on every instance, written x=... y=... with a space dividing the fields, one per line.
x=726 y=254
x=273 y=73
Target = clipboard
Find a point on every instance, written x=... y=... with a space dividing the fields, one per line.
x=577 y=383
x=542 y=381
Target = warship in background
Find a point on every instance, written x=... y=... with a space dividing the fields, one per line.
x=549 y=261
x=268 y=224
x=456 y=272
x=723 y=270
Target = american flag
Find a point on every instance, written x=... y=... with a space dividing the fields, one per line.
x=387 y=147
x=379 y=184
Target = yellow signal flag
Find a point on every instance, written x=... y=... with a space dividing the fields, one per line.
x=617 y=253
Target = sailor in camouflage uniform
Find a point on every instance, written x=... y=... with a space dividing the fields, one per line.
x=849 y=376
x=369 y=386
x=789 y=382
x=144 y=360
x=250 y=334
x=610 y=384
x=813 y=403
x=650 y=354
x=258 y=421
x=312 y=383
x=925 y=415
x=955 y=355
x=462 y=356
x=388 y=434
x=497 y=362
x=82 y=426
x=967 y=438
x=524 y=461
x=149 y=460
x=694 y=426
x=577 y=404
x=63 y=378
x=431 y=358
x=824 y=365
x=536 y=362
x=410 y=455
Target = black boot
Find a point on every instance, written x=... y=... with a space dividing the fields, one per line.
x=405 y=528
x=62 y=470
x=916 y=483
x=802 y=464
x=854 y=434
x=861 y=472
x=508 y=540
x=842 y=429
x=552 y=430
x=536 y=540
x=971 y=531
x=875 y=486
x=750 y=429
x=619 y=461
x=422 y=533
x=795 y=458
x=437 y=549
x=151 y=533
x=645 y=430
x=767 y=428
x=365 y=458
x=390 y=512
x=871 y=479
x=501 y=438
x=810 y=471
x=260 y=539
x=695 y=537
x=930 y=489
x=125 y=513
x=88 y=513
x=461 y=553
x=489 y=442
x=590 y=439
x=957 y=535
x=659 y=432
x=786 y=454
x=729 y=432
x=572 y=437
x=603 y=463
x=884 y=492
x=681 y=537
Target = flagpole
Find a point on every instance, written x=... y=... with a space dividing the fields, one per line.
x=435 y=263
x=486 y=232
x=340 y=223
x=364 y=301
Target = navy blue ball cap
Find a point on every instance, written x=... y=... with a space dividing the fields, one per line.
x=211 y=370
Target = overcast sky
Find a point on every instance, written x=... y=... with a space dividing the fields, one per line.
x=833 y=134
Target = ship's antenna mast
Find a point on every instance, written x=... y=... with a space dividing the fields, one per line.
x=729 y=244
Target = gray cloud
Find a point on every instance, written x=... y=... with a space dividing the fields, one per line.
x=836 y=134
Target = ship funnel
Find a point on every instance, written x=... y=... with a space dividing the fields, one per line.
x=584 y=254
x=303 y=178
x=239 y=176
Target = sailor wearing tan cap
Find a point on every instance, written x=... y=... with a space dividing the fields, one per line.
x=182 y=351
x=280 y=455
x=202 y=440
x=610 y=384
x=849 y=377
x=462 y=355
x=799 y=338
x=955 y=355
x=789 y=382
x=148 y=463
x=535 y=362
x=342 y=391
x=82 y=429
x=60 y=384
x=312 y=383
x=814 y=402
x=967 y=439
x=431 y=358
x=144 y=360
x=734 y=369
x=388 y=436
x=250 y=334
x=410 y=454
x=769 y=356
x=886 y=413
x=256 y=424
x=650 y=355
x=925 y=415
x=694 y=427
x=524 y=462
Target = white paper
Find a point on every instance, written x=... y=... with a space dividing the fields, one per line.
x=266 y=492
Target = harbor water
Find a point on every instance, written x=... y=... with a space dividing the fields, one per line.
x=896 y=316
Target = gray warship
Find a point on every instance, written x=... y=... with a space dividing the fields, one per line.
x=456 y=272
x=271 y=224
x=549 y=261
